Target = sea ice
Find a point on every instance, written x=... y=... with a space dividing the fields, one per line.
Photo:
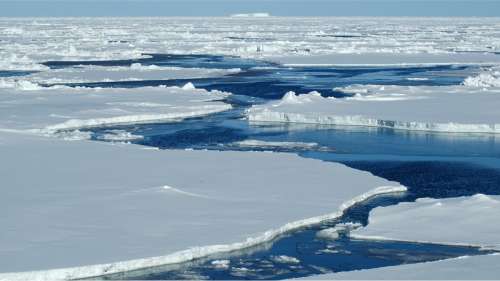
x=463 y=268
x=423 y=108
x=464 y=220
x=107 y=205
x=49 y=110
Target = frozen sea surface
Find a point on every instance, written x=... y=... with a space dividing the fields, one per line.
x=258 y=61
x=447 y=166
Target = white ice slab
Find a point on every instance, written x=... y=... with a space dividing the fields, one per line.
x=83 y=203
x=423 y=108
x=464 y=268
x=49 y=109
x=464 y=220
x=136 y=72
x=388 y=59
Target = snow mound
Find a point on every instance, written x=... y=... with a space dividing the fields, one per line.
x=292 y=98
x=486 y=79
x=188 y=86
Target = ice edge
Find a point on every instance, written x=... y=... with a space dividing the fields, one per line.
x=189 y=254
x=265 y=115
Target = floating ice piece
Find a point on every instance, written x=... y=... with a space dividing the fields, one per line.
x=49 y=110
x=221 y=264
x=282 y=144
x=334 y=232
x=463 y=268
x=285 y=259
x=92 y=74
x=468 y=221
x=119 y=135
x=436 y=109
x=88 y=210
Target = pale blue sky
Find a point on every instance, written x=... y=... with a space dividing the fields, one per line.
x=225 y=7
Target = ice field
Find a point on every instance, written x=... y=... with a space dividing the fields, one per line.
x=249 y=147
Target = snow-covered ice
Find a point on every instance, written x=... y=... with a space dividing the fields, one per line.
x=47 y=110
x=463 y=268
x=29 y=41
x=464 y=220
x=136 y=72
x=423 y=108
x=486 y=79
x=107 y=205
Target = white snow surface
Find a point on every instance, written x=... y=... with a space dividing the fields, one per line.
x=47 y=110
x=486 y=79
x=136 y=72
x=464 y=220
x=117 y=207
x=422 y=108
x=463 y=268
x=26 y=42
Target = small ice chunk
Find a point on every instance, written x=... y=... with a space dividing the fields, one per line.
x=334 y=232
x=285 y=259
x=221 y=264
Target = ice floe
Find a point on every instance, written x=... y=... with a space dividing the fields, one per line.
x=423 y=108
x=464 y=220
x=463 y=268
x=93 y=74
x=49 y=110
x=275 y=144
x=95 y=201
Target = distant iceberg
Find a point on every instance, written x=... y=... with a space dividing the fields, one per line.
x=251 y=15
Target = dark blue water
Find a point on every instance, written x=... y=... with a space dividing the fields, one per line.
x=429 y=164
x=188 y=61
x=13 y=73
x=267 y=80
